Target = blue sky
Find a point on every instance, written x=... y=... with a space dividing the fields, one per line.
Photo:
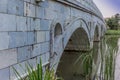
x=108 y=7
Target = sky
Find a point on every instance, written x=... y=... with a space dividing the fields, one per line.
x=108 y=7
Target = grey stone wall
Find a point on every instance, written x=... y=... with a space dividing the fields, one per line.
x=25 y=28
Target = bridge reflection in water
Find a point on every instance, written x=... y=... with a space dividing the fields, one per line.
x=71 y=66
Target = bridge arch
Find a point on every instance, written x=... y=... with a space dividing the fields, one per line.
x=73 y=26
x=78 y=39
x=76 y=36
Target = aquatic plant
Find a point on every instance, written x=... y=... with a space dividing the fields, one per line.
x=36 y=74
x=106 y=67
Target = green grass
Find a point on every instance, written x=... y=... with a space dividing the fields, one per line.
x=113 y=32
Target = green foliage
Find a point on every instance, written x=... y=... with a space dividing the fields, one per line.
x=87 y=60
x=113 y=22
x=108 y=57
x=36 y=74
x=107 y=60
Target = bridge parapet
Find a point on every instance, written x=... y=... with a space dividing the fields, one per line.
x=86 y=4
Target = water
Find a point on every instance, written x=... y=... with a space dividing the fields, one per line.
x=97 y=65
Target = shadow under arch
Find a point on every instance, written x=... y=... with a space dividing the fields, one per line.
x=78 y=41
x=76 y=44
x=73 y=26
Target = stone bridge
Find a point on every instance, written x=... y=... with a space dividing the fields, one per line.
x=30 y=30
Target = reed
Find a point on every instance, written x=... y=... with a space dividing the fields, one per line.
x=36 y=74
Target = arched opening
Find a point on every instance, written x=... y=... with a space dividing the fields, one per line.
x=58 y=40
x=57 y=30
x=96 y=34
x=68 y=69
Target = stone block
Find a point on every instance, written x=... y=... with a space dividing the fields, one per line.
x=17 y=39
x=45 y=47
x=4 y=74
x=44 y=4
x=30 y=38
x=47 y=35
x=44 y=24
x=4 y=40
x=24 y=53
x=26 y=8
x=8 y=22
x=8 y=57
x=50 y=14
x=29 y=9
x=32 y=10
x=37 y=48
x=3 y=6
x=27 y=0
x=33 y=1
x=32 y=20
x=16 y=7
x=37 y=24
x=40 y=36
x=28 y=23
x=40 y=12
x=21 y=23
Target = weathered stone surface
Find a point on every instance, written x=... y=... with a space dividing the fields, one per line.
x=29 y=9
x=45 y=47
x=17 y=39
x=50 y=14
x=3 y=6
x=16 y=7
x=47 y=36
x=8 y=58
x=28 y=23
x=37 y=48
x=44 y=4
x=4 y=74
x=40 y=12
x=8 y=22
x=4 y=40
x=35 y=24
x=24 y=53
x=33 y=2
x=27 y=0
x=30 y=38
x=40 y=36
x=21 y=23
x=44 y=25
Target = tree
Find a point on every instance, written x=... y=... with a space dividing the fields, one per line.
x=113 y=22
